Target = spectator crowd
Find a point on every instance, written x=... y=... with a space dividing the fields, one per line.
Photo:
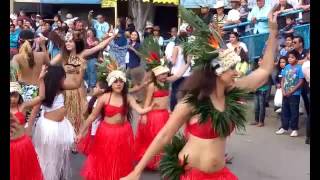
x=291 y=77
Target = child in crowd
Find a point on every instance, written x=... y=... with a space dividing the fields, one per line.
x=243 y=66
x=260 y=103
x=244 y=11
x=288 y=45
x=98 y=90
x=288 y=29
x=283 y=61
x=291 y=83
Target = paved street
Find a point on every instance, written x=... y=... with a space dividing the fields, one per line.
x=258 y=153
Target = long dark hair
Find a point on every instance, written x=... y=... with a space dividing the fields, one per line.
x=236 y=35
x=56 y=39
x=78 y=39
x=124 y=94
x=53 y=83
x=201 y=82
x=243 y=55
x=20 y=101
x=138 y=39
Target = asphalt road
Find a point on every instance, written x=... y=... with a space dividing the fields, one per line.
x=259 y=154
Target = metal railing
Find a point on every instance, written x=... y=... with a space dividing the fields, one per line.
x=256 y=42
x=260 y=20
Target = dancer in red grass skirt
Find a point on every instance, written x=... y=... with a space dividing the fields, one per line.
x=157 y=92
x=23 y=158
x=211 y=105
x=111 y=154
x=85 y=144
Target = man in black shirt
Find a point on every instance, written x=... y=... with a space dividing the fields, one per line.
x=298 y=44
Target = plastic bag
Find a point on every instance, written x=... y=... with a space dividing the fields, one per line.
x=278 y=98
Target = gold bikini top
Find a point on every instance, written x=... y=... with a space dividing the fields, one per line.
x=73 y=64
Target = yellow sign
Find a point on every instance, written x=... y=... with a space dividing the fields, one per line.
x=108 y=3
x=113 y=3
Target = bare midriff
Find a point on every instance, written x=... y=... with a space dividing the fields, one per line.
x=162 y=102
x=206 y=155
x=19 y=133
x=116 y=119
x=56 y=115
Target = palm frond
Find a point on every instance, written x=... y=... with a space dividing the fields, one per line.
x=170 y=166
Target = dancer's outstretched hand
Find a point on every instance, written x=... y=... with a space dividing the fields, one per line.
x=272 y=20
x=78 y=138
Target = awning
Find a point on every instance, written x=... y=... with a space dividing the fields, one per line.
x=112 y=3
x=28 y=1
x=175 y=2
x=71 y=1
x=198 y=3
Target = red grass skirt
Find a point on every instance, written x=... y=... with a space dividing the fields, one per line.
x=85 y=143
x=23 y=160
x=111 y=154
x=156 y=119
x=195 y=174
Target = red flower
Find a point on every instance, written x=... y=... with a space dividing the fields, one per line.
x=154 y=56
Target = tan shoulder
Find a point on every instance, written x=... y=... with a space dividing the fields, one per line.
x=151 y=86
x=104 y=97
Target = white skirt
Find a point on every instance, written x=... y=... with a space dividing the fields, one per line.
x=53 y=142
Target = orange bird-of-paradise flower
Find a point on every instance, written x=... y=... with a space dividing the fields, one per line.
x=213 y=42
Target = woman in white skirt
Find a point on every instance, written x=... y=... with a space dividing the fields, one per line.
x=54 y=135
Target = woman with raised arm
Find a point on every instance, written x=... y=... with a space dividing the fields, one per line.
x=54 y=135
x=210 y=109
x=28 y=64
x=110 y=156
x=157 y=92
x=72 y=54
x=22 y=152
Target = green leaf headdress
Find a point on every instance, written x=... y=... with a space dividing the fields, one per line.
x=206 y=45
x=110 y=71
x=151 y=53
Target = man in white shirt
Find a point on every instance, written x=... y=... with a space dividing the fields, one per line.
x=259 y=11
x=170 y=45
x=99 y=25
x=234 y=13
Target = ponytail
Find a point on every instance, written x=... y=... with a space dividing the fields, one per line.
x=26 y=51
